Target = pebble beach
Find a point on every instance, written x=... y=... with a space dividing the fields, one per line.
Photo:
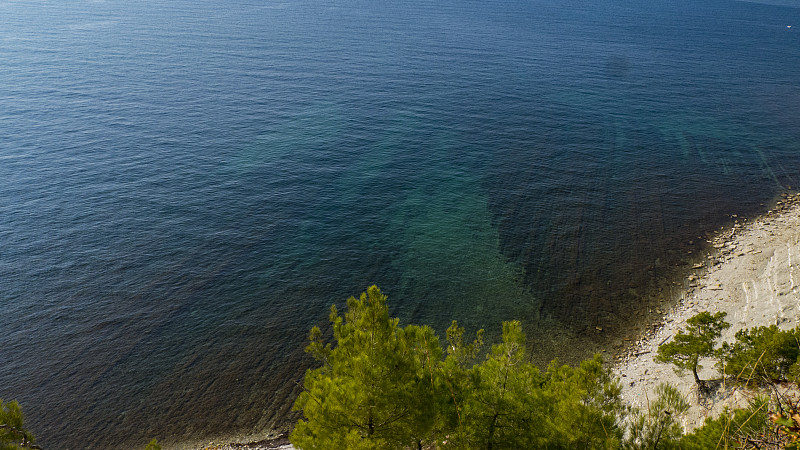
x=751 y=272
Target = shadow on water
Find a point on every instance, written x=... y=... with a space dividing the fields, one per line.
x=618 y=221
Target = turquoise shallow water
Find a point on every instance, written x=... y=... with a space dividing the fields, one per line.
x=187 y=187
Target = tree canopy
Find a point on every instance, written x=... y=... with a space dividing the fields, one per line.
x=762 y=355
x=375 y=387
x=696 y=342
x=13 y=435
x=384 y=386
x=381 y=385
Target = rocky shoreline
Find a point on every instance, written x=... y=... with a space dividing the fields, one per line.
x=269 y=442
x=752 y=272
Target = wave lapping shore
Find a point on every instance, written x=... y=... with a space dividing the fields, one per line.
x=752 y=272
x=267 y=443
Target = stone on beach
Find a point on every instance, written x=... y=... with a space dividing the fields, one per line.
x=756 y=286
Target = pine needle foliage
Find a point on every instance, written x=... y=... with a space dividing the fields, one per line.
x=762 y=355
x=384 y=386
x=375 y=387
x=13 y=435
x=698 y=341
x=658 y=427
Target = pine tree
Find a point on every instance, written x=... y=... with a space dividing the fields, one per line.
x=375 y=388
x=382 y=386
x=13 y=435
x=762 y=355
x=587 y=403
x=455 y=384
x=511 y=404
x=503 y=408
x=659 y=426
x=697 y=342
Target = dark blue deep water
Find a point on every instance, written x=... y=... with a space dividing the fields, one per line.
x=187 y=186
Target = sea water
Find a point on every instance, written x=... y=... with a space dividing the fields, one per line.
x=186 y=187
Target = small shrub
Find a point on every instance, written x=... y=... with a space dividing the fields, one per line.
x=762 y=355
